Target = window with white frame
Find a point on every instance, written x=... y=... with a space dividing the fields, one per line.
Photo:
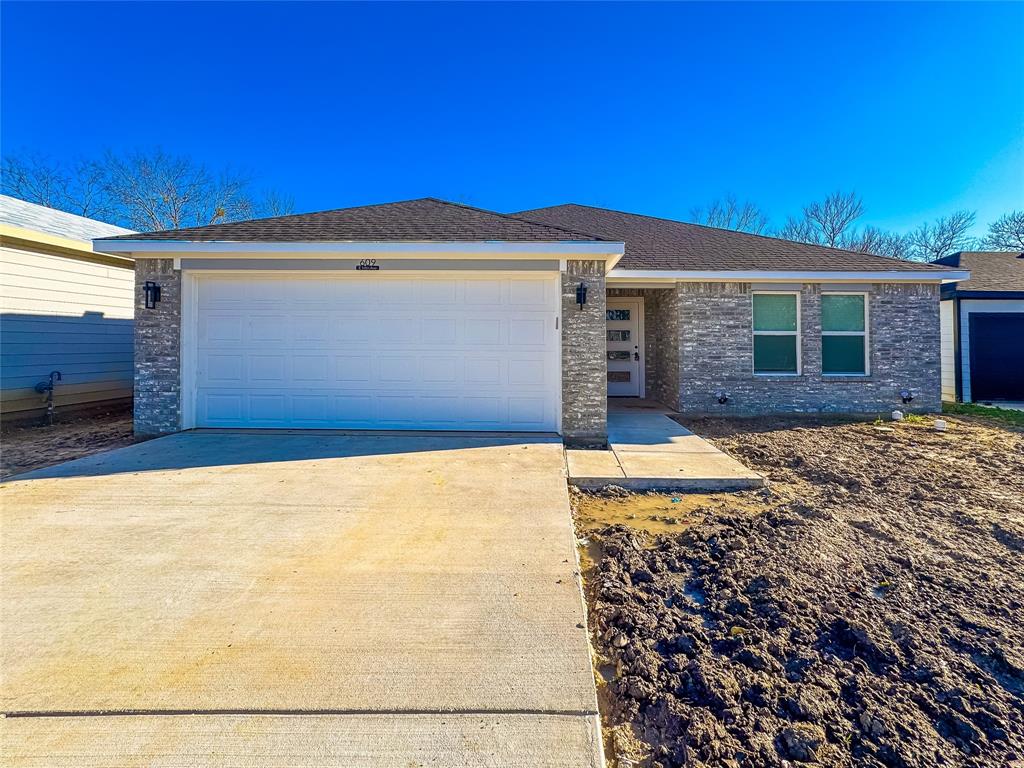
x=776 y=332
x=844 y=334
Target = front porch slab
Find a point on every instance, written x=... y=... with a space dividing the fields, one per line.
x=647 y=450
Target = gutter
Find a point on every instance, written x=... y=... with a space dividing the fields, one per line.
x=780 y=276
x=612 y=251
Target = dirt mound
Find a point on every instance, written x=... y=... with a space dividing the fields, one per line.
x=873 y=615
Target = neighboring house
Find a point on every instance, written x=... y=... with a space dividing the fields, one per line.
x=63 y=307
x=431 y=315
x=983 y=328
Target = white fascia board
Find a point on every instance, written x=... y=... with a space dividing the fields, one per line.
x=761 y=276
x=454 y=249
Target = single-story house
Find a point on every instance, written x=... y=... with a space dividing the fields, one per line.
x=63 y=307
x=426 y=314
x=983 y=328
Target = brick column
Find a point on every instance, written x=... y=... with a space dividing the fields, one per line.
x=584 y=366
x=158 y=350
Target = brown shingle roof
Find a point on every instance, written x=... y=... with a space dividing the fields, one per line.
x=423 y=220
x=996 y=271
x=664 y=244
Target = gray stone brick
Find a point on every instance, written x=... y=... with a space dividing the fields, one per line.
x=157 y=350
x=716 y=348
x=584 y=370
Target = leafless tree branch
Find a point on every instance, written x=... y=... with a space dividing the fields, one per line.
x=1006 y=233
x=729 y=213
x=946 y=235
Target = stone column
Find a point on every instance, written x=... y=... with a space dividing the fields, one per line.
x=158 y=350
x=584 y=366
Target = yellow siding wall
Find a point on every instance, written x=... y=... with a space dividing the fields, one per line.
x=59 y=313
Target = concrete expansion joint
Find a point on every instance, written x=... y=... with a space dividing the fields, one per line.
x=297 y=712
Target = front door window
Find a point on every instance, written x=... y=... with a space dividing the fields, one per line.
x=623 y=348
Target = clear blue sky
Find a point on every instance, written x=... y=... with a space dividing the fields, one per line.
x=648 y=108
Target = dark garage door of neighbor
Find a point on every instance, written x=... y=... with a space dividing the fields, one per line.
x=997 y=355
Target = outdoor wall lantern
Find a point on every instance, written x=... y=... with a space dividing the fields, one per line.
x=906 y=395
x=722 y=397
x=152 y=293
x=581 y=295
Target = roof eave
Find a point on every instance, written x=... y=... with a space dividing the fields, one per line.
x=595 y=249
x=783 y=276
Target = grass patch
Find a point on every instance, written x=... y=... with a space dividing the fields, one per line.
x=1005 y=416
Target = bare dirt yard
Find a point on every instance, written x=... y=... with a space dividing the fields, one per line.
x=865 y=610
x=30 y=445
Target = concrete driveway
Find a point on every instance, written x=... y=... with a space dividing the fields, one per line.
x=239 y=599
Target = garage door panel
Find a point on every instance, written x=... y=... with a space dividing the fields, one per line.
x=312 y=409
x=226 y=407
x=443 y=292
x=482 y=293
x=440 y=330
x=445 y=353
x=530 y=294
x=225 y=369
x=268 y=408
x=527 y=332
x=349 y=329
x=526 y=372
x=483 y=371
x=441 y=370
x=353 y=369
x=526 y=412
x=309 y=329
x=310 y=369
x=266 y=370
x=220 y=328
x=482 y=331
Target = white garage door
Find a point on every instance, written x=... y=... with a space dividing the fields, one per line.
x=376 y=352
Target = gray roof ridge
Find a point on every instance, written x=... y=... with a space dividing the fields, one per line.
x=514 y=217
x=285 y=217
x=273 y=218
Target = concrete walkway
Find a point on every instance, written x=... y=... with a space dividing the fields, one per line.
x=648 y=450
x=306 y=600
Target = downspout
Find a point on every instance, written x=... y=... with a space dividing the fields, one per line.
x=957 y=357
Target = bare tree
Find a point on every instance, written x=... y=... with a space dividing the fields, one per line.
x=834 y=215
x=142 y=190
x=275 y=203
x=877 y=241
x=827 y=222
x=36 y=179
x=160 y=191
x=946 y=235
x=799 y=229
x=1006 y=233
x=731 y=214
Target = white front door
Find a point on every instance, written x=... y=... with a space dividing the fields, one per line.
x=448 y=351
x=625 y=348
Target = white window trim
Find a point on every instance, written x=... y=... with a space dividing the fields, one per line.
x=866 y=333
x=797 y=334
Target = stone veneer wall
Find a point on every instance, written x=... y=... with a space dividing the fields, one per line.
x=716 y=346
x=158 y=350
x=584 y=370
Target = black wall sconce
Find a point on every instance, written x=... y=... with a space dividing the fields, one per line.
x=152 y=293
x=581 y=295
